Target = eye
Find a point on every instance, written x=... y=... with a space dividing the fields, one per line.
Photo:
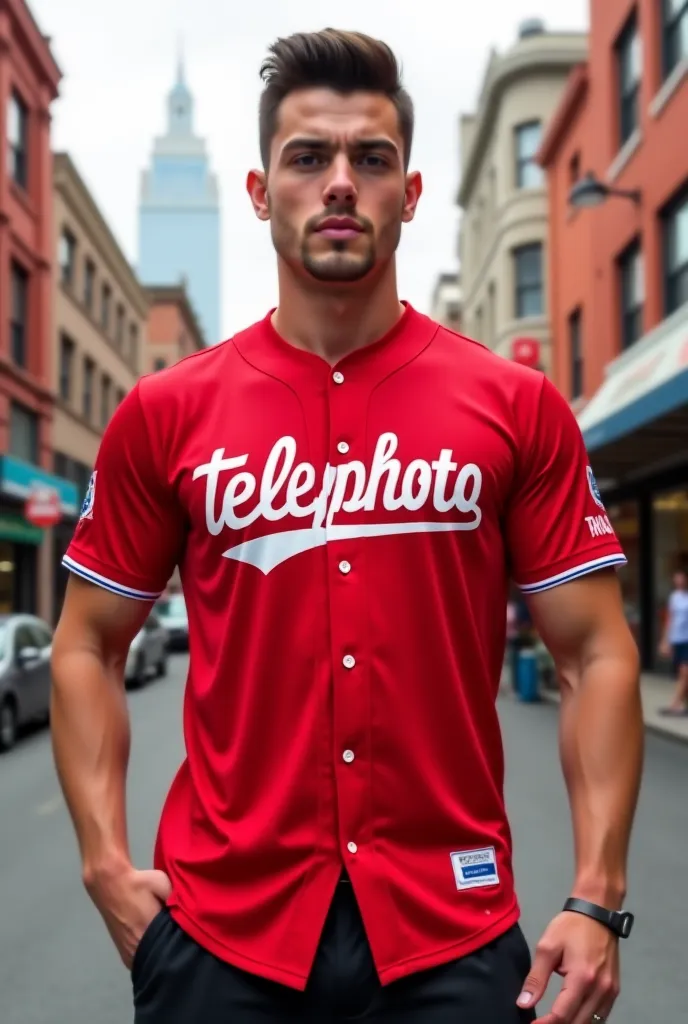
x=308 y=160
x=374 y=161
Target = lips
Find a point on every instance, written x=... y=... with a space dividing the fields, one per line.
x=339 y=227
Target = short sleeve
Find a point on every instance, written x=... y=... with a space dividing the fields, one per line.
x=556 y=525
x=131 y=528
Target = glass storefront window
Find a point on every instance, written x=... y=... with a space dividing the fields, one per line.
x=7 y=568
x=670 y=546
x=625 y=519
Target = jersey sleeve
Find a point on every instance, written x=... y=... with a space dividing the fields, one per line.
x=131 y=528
x=556 y=524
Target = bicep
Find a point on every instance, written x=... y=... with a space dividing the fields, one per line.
x=583 y=620
x=97 y=620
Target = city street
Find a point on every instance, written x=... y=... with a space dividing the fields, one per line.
x=57 y=965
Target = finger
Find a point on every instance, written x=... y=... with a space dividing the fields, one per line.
x=576 y=991
x=534 y=986
x=158 y=883
x=601 y=1002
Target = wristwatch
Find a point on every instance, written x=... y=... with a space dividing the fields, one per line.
x=618 y=921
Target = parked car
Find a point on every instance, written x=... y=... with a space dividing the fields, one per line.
x=172 y=612
x=147 y=653
x=25 y=647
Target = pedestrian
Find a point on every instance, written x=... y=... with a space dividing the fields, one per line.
x=347 y=489
x=674 y=643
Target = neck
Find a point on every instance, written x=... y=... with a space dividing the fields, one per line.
x=333 y=323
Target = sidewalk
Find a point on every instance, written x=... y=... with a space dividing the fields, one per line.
x=656 y=694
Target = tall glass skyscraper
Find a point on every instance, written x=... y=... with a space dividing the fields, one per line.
x=179 y=214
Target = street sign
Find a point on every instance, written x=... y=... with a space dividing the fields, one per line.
x=43 y=506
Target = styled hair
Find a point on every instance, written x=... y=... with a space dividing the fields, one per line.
x=345 y=62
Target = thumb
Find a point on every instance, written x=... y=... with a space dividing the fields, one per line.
x=158 y=883
x=538 y=977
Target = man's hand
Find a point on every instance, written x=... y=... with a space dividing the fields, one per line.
x=128 y=900
x=586 y=954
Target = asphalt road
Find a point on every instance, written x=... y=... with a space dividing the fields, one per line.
x=56 y=962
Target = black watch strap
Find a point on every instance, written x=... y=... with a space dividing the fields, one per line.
x=618 y=921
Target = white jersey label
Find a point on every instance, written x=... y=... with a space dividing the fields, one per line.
x=474 y=868
x=442 y=482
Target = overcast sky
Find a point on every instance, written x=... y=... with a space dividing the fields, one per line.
x=119 y=62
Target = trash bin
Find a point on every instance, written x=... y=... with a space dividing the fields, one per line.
x=527 y=676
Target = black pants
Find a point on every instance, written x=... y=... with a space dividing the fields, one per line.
x=175 y=981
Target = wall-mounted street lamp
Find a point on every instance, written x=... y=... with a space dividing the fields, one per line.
x=590 y=191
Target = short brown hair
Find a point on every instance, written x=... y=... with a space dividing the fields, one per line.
x=343 y=61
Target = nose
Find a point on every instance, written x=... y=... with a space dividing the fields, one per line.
x=340 y=188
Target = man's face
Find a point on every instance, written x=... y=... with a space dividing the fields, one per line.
x=336 y=192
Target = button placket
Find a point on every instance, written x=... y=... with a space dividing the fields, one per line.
x=347 y=408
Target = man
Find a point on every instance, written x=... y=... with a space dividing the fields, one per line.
x=346 y=488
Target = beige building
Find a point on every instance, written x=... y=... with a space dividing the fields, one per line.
x=100 y=312
x=445 y=306
x=503 y=233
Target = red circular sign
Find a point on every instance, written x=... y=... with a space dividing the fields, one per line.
x=525 y=351
x=43 y=507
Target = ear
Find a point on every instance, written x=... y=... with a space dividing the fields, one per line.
x=257 y=188
x=414 y=188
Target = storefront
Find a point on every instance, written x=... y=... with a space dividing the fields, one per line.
x=636 y=432
x=25 y=568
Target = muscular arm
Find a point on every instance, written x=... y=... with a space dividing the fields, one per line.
x=90 y=721
x=601 y=725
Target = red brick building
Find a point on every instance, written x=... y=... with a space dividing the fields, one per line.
x=616 y=156
x=29 y=80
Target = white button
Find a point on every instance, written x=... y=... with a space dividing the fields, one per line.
x=348 y=756
x=344 y=567
x=348 y=661
x=338 y=377
x=342 y=447
x=352 y=848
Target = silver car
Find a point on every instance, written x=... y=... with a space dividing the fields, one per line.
x=148 y=652
x=25 y=648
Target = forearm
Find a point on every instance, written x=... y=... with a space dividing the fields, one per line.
x=90 y=730
x=601 y=742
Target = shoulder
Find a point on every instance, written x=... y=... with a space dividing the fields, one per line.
x=468 y=356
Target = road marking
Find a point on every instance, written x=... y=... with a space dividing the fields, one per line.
x=50 y=805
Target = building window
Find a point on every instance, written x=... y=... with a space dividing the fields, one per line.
x=105 y=302
x=105 y=391
x=576 y=349
x=66 y=257
x=574 y=168
x=527 y=142
x=675 y=225
x=528 y=278
x=18 y=320
x=87 y=396
x=159 y=364
x=632 y=288
x=675 y=33
x=629 y=70
x=18 y=138
x=23 y=433
x=134 y=347
x=66 y=367
x=121 y=393
x=89 y=284
x=119 y=326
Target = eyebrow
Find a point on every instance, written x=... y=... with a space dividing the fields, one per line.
x=323 y=145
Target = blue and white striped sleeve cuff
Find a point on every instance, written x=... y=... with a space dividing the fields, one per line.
x=108 y=584
x=572 y=574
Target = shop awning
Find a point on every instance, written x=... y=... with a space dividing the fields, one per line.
x=639 y=417
x=17 y=478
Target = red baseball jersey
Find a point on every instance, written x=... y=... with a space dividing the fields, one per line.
x=345 y=535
